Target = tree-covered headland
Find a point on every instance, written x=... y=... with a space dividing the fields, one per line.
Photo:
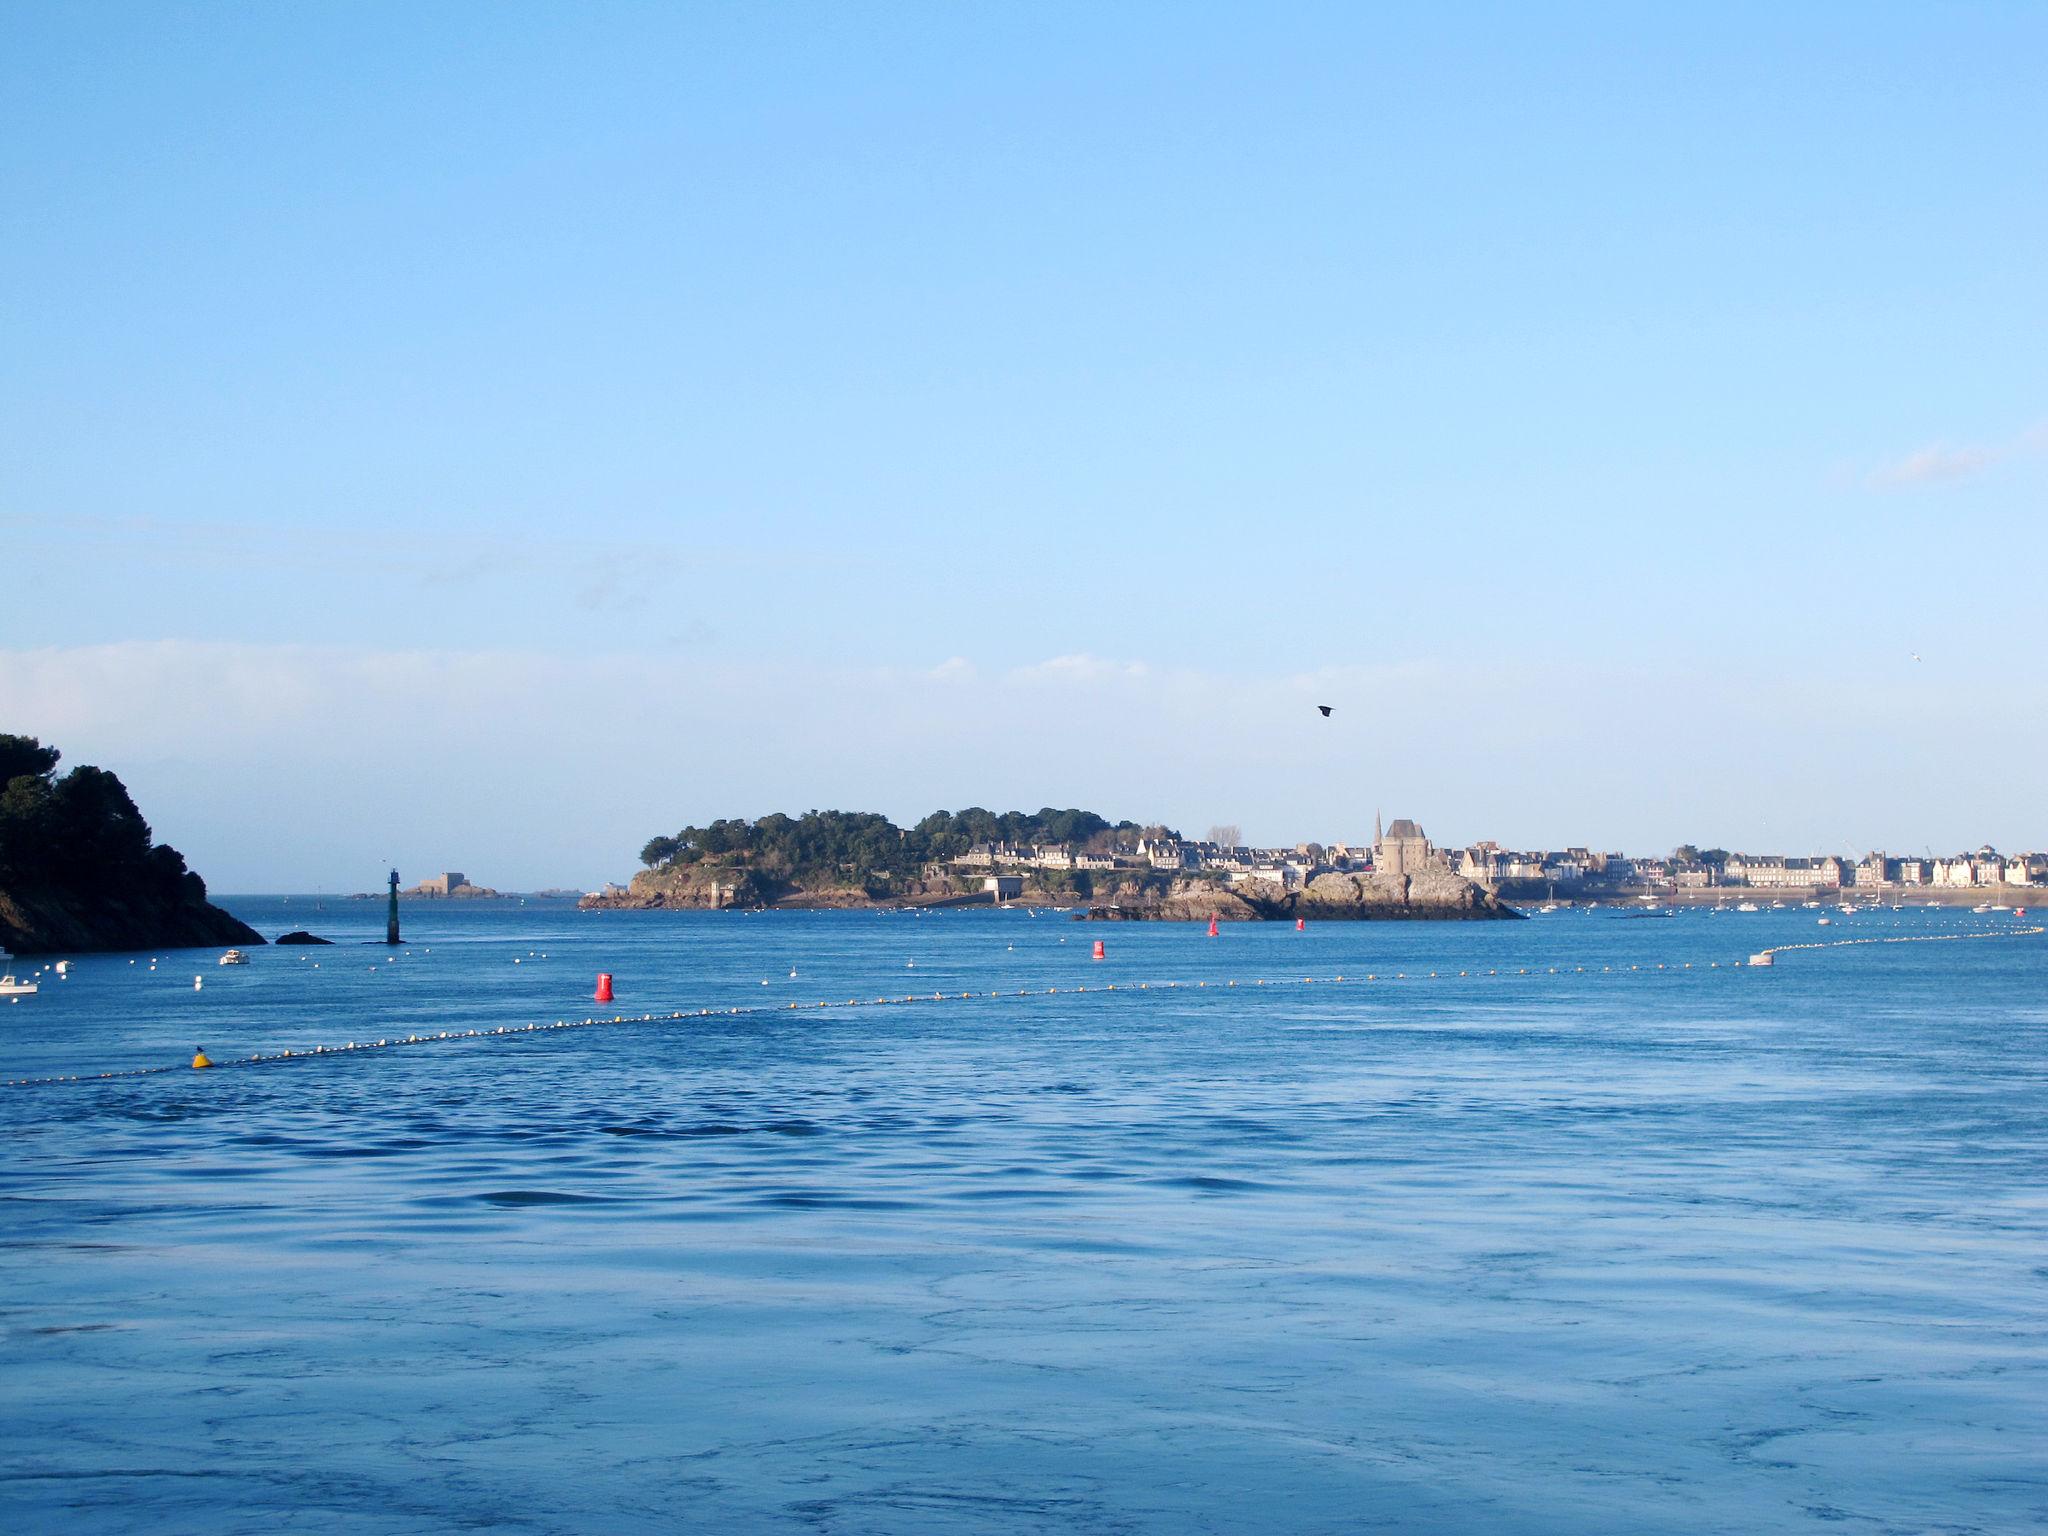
x=846 y=848
x=79 y=868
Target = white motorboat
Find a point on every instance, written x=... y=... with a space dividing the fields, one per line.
x=234 y=957
x=1745 y=906
x=9 y=987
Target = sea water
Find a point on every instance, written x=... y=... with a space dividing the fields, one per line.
x=1564 y=1243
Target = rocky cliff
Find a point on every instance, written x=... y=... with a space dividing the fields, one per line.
x=712 y=886
x=48 y=922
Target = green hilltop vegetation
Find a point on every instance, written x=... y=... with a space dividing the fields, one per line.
x=843 y=848
x=79 y=868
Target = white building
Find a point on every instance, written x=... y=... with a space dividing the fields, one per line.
x=1957 y=872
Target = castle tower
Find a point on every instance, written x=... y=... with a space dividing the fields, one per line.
x=1403 y=850
x=391 y=912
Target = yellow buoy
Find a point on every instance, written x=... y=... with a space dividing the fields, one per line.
x=200 y=1058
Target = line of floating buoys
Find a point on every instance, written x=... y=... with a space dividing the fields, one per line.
x=1762 y=959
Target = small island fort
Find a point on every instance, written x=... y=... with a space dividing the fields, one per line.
x=451 y=883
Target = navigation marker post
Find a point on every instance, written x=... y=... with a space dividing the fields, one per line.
x=391 y=912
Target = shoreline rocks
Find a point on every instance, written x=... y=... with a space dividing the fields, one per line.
x=1432 y=896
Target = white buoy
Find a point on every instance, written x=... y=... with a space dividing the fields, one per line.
x=198 y=983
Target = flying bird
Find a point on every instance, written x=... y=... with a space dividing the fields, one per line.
x=1916 y=655
x=1326 y=708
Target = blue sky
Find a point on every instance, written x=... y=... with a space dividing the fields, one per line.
x=487 y=436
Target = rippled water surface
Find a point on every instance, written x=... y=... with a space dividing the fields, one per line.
x=1607 y=1250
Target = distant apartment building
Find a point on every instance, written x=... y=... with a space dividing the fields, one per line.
x=1771 y=872
x=1568 y=868
x=1638 y=871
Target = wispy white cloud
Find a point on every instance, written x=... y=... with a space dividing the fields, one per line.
x=275 y=766
x=1079 y=668
x=1931 y=465
x=1940 y=463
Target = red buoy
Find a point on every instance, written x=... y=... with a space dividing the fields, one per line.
x=1301 y=925
x=1100 y=952
x=1213 y=930
x=604 y=987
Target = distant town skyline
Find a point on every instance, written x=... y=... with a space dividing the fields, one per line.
x=478 y=443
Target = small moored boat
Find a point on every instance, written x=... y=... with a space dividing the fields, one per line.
x=234 y=957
